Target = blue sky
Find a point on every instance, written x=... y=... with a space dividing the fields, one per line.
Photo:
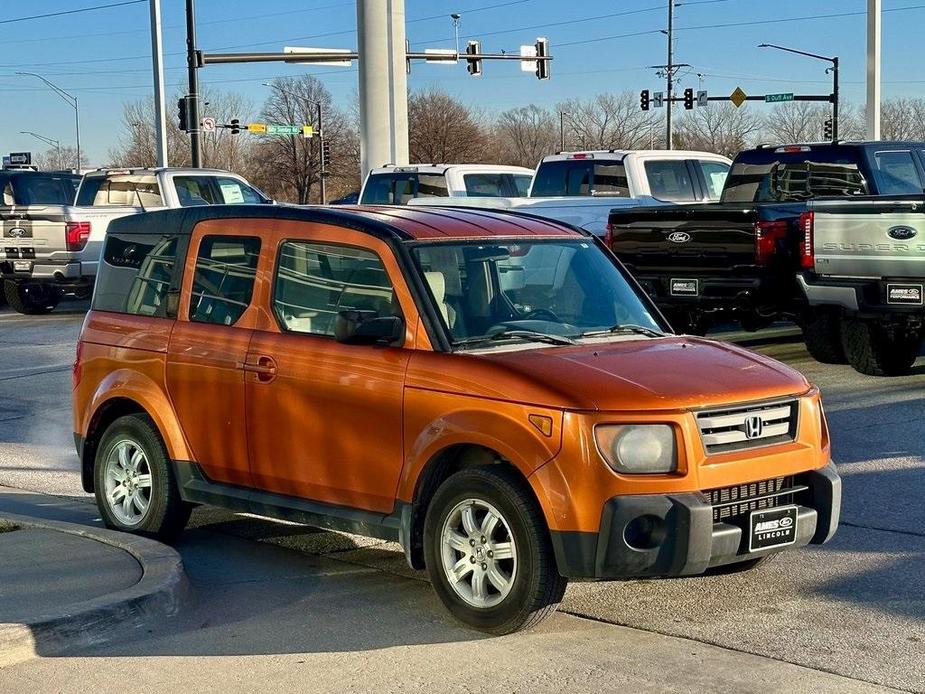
x=103 y=56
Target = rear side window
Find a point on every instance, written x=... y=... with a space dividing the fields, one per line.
x=895 y=173
x=670 y=180
x=123 y=190
x=135 y=274
x=316 y=281
x=223 y=283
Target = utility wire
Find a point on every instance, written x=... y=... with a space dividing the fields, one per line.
x=76 y=11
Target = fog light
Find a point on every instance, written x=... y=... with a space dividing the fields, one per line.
x=644 y=532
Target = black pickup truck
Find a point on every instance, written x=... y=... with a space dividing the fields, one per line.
x=738 y=259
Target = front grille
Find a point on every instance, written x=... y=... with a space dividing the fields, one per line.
x=748 y=426
x=730 y=503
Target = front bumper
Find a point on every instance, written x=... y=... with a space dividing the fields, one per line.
x=683 y=539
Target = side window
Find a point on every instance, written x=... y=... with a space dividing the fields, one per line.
x=484 y=185
x=521 y=185
x=135 y=274
x=432 y=186
x=670 y=180
x=315 y=281
x=896 y=174
x=224 y=279
x=714 y=173
x=234 y=192
x=193 y=190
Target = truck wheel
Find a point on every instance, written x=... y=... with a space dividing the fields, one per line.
x=822 y=334
x=874 y=350
x=135 y=488
x=488 y=552
x=31 y=298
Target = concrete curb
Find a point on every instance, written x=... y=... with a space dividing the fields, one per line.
x=159 y=594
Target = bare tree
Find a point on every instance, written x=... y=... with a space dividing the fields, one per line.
x=58 y=159
x=609 y=121
x=796 y=121
x=723 y=129
x=902 y=119
x=443 y=130
x=525 y=135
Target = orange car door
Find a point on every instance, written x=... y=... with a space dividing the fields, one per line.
x=325 y=418
x=208 y=348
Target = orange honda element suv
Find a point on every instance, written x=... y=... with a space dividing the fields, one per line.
x=491 y=390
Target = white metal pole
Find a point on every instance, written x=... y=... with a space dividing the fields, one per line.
x=157 y=59
x=873 y=69
x=383 y=84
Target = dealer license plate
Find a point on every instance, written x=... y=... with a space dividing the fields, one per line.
x=684 y=287
x=775 y=527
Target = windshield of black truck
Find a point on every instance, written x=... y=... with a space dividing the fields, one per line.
x=770 y=176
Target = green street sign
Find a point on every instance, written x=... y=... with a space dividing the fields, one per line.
x=276 y=129
x=777 y=98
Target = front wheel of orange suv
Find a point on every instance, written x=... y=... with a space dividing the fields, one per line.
x=488 y=552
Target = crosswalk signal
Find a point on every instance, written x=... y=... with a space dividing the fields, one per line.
x=827 y=129
x=474 y=64
x=183 y=113
x=644 y=99
x=542 y=66
x=688 y=98
x=235 y=126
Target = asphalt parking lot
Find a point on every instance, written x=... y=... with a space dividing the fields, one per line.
x=853 y=607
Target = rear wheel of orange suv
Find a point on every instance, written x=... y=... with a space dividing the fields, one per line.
x=135 y=488
x=488 y=552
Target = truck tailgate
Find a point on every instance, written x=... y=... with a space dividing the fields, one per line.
x=36 y=231
x=862 y=238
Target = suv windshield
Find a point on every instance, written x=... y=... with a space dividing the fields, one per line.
x=578 y=177
x=525 y=290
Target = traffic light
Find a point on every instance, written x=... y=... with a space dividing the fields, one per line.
x=474 y=64
x=183 y=113
x=688 y=98
x=542 y=66
x=827 y=129
x=644 y=99
x=235 y=126
x=326 y=152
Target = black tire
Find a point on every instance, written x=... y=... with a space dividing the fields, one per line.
x=166 y=513
x=874 y=350
x=822 y=334
x=31 y=298
x=537 y=587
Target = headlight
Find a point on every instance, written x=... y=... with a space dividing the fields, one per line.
x=638 y=448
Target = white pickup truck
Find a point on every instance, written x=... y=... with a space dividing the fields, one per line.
x=53 y=250
x=581 y=188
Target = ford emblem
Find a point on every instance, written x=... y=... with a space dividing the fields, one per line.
x=679 y=237
x=901 y=233
x=16 y=233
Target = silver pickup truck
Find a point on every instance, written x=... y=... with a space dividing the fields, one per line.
x=863 y=278
x=54 y=249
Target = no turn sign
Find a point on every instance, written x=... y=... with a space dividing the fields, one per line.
x=208 y=124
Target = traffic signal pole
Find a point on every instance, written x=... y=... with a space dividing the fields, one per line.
x=669 y=71
x=192 y=61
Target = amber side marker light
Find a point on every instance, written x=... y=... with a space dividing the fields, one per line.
x=544 y=424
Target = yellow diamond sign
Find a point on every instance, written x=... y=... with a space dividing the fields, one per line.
x=738 y=97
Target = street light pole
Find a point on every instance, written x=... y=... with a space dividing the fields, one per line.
x=320 y=110
x=49 y=140
x=69 y=98
x=834 y=69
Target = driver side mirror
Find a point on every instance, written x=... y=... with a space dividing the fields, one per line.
x=367 y=328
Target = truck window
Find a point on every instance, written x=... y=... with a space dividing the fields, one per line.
x=388 y=189
x=234 y=192
x=765 y=175
x=431 y=186
x=193 y=190
x=714 y=173
x=580 y=177
x=493 y=185
x=42 y=189
x=895 y=173
x=670 y=180
x=135 y=274
x=128 y=190
x=316 y=281
x=521 y=184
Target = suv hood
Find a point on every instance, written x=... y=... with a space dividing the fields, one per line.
x=653 y=373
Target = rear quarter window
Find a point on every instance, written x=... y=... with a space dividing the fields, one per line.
x=136 y=273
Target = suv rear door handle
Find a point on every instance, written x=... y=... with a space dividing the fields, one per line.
x=264 y=369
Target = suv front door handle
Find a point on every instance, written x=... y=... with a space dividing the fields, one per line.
x=264 y=369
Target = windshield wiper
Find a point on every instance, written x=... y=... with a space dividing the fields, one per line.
x=626 y=328
x=530 y=335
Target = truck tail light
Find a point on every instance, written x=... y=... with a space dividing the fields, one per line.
x=608 y=236
x=76 y=235
x=807 y=252
x=767 y=234
x=78 y=366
